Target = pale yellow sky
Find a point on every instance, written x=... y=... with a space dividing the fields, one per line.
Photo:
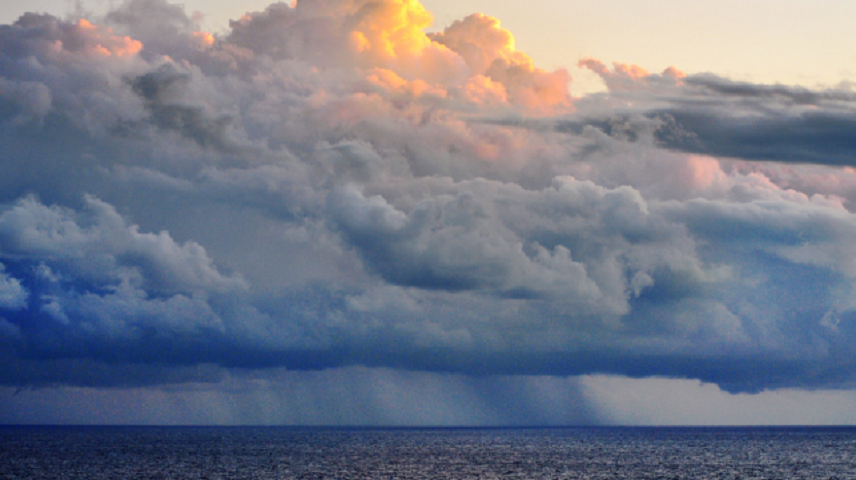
x=802 y=42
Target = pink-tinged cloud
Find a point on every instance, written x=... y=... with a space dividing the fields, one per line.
x=103 y=42
x=629 y=77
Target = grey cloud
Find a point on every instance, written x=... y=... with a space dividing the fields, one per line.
x=785 y=93
x=98 y=285
x=23 y=101
x=160 y=26
x=13 y=295
x=186 y=120
x=355 y=395
x=105 y=246
x=352 y=213
x=715 y=116
x=821 y=138
x=575 y=241
x=291 y=38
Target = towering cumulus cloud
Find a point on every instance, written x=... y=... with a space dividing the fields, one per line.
x=328 y=187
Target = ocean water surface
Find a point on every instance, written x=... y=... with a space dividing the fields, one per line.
x=478 y=453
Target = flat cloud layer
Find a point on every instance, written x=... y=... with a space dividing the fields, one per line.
x=328 y=186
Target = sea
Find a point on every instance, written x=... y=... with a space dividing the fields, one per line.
x=426 y=453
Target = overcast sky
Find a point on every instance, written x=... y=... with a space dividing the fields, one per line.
x=369 y=213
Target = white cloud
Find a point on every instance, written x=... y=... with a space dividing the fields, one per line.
x=662 y=401
x=13 y=296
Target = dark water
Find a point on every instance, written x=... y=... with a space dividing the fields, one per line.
x=282 y=453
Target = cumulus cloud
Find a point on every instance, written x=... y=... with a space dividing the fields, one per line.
x=490 y=54
x=631 y=77
x=13 y=296
x=328 y=186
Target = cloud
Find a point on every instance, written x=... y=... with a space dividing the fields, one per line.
x=92 y=277
x=661 y=402
x=631 y=77
x=355 y=395
x=326 y=186
x=189 y=122
x=716 y=116
x=819 y=138
x=13 y=296
x=489 y=51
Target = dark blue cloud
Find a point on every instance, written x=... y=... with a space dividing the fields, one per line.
x=813 y=137
x=715 y=116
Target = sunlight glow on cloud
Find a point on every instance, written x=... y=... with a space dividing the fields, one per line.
x=103 y=42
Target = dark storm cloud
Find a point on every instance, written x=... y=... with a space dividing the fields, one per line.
x=782 y=93
x=711 y=115
x=824 y=138
x=178 y=206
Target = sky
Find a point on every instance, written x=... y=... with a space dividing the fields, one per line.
x=768 y=41
x=345 y=212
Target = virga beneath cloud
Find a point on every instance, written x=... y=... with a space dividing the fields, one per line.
x=328 y=186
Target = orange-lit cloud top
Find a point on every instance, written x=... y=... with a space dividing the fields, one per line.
x=204 y=39
x=351 y=33
x=89 y=38
x=488 y=50
x=389 y=34
x=481 y=41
